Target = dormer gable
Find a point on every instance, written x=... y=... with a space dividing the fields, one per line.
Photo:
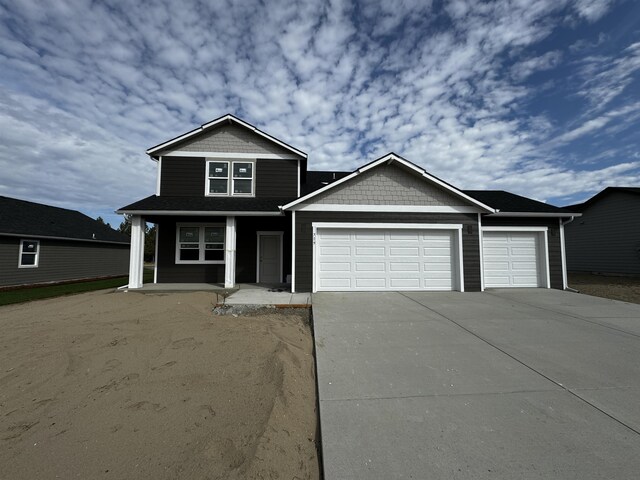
x=227 y=134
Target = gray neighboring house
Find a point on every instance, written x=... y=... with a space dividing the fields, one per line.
x=606 y=238
x=234 y=204
x=40 y=244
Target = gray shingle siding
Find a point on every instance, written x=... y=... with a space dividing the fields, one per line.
x=387 y=185
x=606 y=238
x=228 y=139
x=553 y=237
x=62 y=260
x=304 y=240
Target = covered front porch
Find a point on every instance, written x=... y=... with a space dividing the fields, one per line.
x=221 y=251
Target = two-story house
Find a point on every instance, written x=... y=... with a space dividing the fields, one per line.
x=234 y=205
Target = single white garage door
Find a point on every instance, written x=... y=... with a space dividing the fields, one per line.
x=385 y=259
x=512 y=259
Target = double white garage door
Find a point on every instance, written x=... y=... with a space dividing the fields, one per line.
x=361 y=259
x=392 y=258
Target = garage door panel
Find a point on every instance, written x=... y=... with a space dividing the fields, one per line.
x=370 y=282
x=404 y=283
x=370 y=267
x=370 y=251
x=335 y=250
x=335 y=282
x=389 y=259
x=335 y=266
x=404 y=267
x=512 y=259
x=404 y=251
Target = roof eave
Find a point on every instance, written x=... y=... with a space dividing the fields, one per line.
x=535 y=214
x=202 y=213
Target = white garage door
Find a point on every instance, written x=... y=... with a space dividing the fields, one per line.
x=512 y=259
x=384 y=259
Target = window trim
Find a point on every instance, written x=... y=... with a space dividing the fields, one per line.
x=201 y=244
x=21 y=252
x=230 y=178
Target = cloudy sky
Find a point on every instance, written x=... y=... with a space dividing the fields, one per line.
x=541 y=98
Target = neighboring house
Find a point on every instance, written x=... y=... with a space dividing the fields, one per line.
x=234 y=205
x=44 y=244
x=606 y=239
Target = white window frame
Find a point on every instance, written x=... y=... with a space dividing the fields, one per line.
x=37 y=254
x=230 y=178
x=201 y=243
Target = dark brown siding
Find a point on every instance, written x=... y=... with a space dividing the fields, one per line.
x=277 y=178
x=247 y=244
x=62 y=260
x=169 y=271
x=182 y=176
x=606 y=238
x=186 y=176
x=304 y=241
x=555 y=251
x=246 y=249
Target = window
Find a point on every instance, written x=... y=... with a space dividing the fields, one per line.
x=29 y=253
x=230 y=178
x=218 y=178
x=200 y=243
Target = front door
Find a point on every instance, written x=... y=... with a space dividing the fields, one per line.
x=269 y=259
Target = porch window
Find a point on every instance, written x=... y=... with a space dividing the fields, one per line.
x=29 y=254
x=200 y=243
x=230 y=178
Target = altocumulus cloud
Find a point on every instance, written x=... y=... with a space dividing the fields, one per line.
x=536 y=97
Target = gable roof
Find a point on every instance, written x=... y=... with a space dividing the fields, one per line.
x=29 y=219
x=392 y=157
x=225 y=119
x=507 y=203
x=598 y=196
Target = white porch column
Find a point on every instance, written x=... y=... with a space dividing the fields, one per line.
x=230 y=253
x=136 y=258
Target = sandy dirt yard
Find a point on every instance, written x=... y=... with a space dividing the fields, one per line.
x=124 y=385
x=626 y=289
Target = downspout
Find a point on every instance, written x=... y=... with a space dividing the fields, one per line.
x=565 y=279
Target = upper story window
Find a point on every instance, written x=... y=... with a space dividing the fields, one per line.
x=29 y=254
x=230 y=178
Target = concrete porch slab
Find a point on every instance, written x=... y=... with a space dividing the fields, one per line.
x=242 y=294
x=253 y=294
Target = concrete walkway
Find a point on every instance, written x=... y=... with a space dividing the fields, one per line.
x=499 y=385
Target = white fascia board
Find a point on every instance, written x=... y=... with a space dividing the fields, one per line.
x=253 y=156
x=534 y=214
x=225 y=118
x=209 y=213
x=50 y=237
x=390 y=226
x=385 y=208
x=515 y=229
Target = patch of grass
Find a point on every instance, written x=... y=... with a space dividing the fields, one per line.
x=37 y=293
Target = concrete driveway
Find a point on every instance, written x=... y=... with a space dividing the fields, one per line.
x=526 y=383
